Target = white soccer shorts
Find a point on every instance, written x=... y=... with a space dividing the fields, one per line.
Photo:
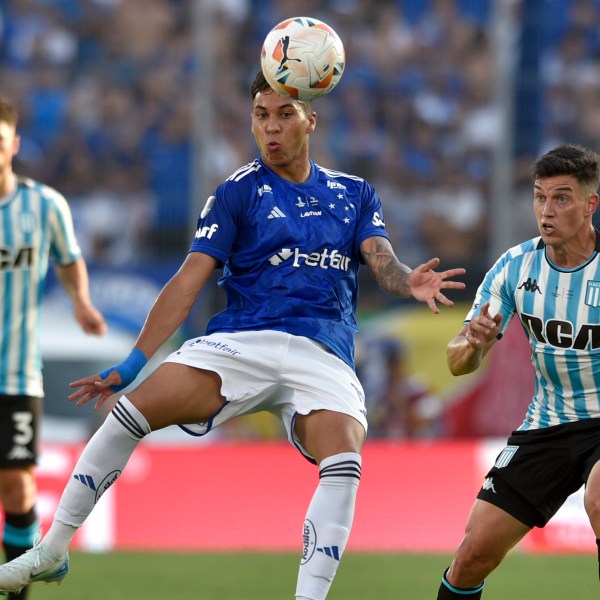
x=273 y=371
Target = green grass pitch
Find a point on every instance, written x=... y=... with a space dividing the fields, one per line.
x=154 y=576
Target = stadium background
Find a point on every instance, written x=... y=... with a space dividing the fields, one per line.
x=137 y=109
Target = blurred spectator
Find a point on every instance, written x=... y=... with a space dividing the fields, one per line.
x=399 y=404
x=115 y=218
x=109 y=85
x=168 y=151
x=454 y=221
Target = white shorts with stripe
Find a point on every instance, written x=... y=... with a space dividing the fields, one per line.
x=273 y=371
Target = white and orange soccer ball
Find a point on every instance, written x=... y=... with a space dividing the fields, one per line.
x=303 y=58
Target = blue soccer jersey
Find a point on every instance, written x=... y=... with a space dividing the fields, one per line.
x=291 y=252
x=35 y=224
x=560 y=313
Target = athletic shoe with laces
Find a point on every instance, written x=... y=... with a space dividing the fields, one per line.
x=37 y=564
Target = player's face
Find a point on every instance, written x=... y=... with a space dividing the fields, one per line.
x=9 y=146
x=280 y=127
x=563 y=210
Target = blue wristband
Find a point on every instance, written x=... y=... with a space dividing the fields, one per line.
x=129 y=369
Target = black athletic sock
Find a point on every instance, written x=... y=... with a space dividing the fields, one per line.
x=448 y=592
x=598 y=544
x=19 y=533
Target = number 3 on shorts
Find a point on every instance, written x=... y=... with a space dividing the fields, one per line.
x=23 y=429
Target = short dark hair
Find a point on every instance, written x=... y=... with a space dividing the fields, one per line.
x=8 y=112
x=260 y=84
x=570 y=159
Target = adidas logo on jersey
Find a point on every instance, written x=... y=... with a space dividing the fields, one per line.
x=276 y=213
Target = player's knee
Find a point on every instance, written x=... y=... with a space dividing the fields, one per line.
x=18 y=490
x=125 y=417
x=592 y=508
x=325 y=434
x=471 y=565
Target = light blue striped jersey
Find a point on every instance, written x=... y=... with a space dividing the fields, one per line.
x=35 y=224
x=291 y=252
x=560 y=313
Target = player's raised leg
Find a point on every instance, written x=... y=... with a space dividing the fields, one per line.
x=104 y=458
x=98 y=467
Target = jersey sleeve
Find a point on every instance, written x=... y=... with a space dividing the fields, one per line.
x=219 y=221
x=370 y=222
x=495 y=289
x=64 y=247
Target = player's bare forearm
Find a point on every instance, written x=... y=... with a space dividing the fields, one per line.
x=466 y=350
x=462 y=357
x=423 y=283
x=74 y=279
x=169 y=311
x=390 y=273
x=173 y=304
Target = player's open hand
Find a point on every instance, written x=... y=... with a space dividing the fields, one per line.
x=426 y=285
x=109 y=381
x=94 y=388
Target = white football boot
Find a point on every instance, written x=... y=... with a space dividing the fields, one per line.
x=37 y=564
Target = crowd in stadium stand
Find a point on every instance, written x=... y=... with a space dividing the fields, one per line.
x=106 y=89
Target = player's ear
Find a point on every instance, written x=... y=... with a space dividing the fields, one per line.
x=592 y=204
x=312 y=122
x=16 y=144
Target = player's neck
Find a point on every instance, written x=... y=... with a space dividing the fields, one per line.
x=297 y=172
x=8 y=181
x=575 y=252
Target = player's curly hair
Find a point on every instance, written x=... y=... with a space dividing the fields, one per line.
x=570 y=159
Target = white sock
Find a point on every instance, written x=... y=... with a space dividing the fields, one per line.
x=100 y=464
x=327 y=524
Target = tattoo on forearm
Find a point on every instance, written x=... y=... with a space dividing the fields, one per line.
x=389 y=272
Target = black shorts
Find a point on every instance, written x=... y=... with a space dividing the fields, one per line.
x=19 y=428
x=539 y=469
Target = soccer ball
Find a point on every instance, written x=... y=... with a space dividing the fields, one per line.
x=302 y=58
